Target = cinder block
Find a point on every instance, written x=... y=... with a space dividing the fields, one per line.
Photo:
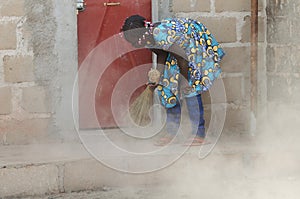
x=234 y=89
x=279 y=89
x=283 y=63
x=207 y=115
x=217 y=93
x=92 y=174
x=236 y=60
x=5 y=100
x=26 y=131
x=277 y=27
x=247 y=88
x=296 y=7
x=8 y=36
x=295 y=60
x=295 y=31
x=237 y=120
x=246 y=30
x=296 y=90
x=270 y=59
x=224 y=29
x=35 y=100
x=18 y=68
x=31 y=180
x=235 y=5
x=281 y=8
x=191 y=6
x=27 y=37
x=206 y=98
x=12 y=8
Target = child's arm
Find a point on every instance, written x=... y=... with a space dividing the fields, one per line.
x=161 y=59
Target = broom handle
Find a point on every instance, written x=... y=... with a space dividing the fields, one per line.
x=154 y=61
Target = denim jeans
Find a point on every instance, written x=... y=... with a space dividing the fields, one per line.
x=196 y=113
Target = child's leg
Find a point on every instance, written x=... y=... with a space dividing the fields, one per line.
x=196 y=113
x=172 y=125
x=173 y=119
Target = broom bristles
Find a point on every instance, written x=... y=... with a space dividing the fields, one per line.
x=140 y=109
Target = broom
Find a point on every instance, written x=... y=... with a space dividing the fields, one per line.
x=140 y=108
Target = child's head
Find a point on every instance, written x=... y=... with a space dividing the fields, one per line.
x=133 y=28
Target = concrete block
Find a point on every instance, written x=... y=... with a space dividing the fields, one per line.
x=27 y=37
x=280 y=8
x=236 y=60
x=12 y=8
x=296 y=7
x=246 y=30
x=191 y=6
x=295 y=31
x=295 y=60
x=224 y=29
x=279 y=89
x=247 y=87
x=234 y=89
x=277 y=27
x=206 y=98
x=87 y=174
x=295 y=90
x=237 y=119
x=283 y=63
x=235 y=5
x=26 y=131
x=270 y=59
x=5 y=100
x=34 y=100
x=18 y=68
x=32 y=180
x=92 y=174
x=8 y=36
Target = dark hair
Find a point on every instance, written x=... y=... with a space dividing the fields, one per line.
x=133 y=22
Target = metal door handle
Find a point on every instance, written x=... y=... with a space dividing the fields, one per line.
x=112 y=4
x=80 y=5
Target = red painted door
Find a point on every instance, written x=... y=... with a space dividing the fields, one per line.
x=101 y=21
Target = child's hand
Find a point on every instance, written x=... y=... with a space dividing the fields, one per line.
x=154 y=76
x=152 y=86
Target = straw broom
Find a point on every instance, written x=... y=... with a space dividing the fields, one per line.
x=140 y=109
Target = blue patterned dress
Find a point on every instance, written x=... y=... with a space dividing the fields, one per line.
x=203 y=53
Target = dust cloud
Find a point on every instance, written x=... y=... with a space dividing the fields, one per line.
x=264 y=165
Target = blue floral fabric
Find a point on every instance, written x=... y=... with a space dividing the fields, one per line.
x=203 y=53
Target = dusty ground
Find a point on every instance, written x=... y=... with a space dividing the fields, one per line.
x=111 y=193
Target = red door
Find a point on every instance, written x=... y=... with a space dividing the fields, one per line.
x=100 y=22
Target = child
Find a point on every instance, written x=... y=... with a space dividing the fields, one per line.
x=185 y=48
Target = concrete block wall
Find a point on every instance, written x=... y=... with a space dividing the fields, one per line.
x=16 y=76
x=36 y=71
x=283 y=68
x=38 y=62
x=229 y=22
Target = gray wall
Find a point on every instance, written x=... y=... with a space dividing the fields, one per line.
x=38 y=59
x=283 y=53
x=38 y=53
x=54 y=44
